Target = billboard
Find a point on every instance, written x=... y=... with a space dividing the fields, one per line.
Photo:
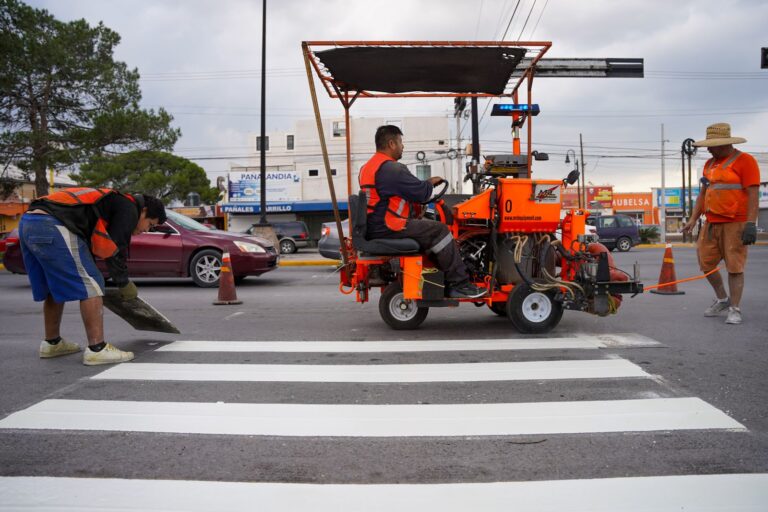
x=672 y=196
x=600 y=197
x=763 y=195
x=282 y=185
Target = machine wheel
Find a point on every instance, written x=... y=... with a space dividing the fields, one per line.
x=287 y=246
x=500 y=308
x=623 y=244
x=205 y=268
x=398 y=313
x=533 y=312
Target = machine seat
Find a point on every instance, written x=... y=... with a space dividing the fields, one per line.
x=377 y=246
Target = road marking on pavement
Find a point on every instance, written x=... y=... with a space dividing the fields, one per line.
x=742 y=492
x=456 y=372
x=314 y=420
x=576 y=342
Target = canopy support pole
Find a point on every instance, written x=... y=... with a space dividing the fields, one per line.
x=326 y=161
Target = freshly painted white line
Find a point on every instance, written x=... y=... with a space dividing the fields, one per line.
x=373 y=420
x=381 y=346
x=711 y=493
x=458 y=372
x=580 y=341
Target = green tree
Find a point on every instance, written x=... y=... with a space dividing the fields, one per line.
x=156 y=173
x=64 y=99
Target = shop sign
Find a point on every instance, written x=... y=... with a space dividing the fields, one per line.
x=245 y=186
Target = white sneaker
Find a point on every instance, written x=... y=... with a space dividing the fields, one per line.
x=734 y=316
x=717 y=307
x=62 y=348
x=108 y=355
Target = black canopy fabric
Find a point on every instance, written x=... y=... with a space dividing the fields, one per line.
x=422 y=69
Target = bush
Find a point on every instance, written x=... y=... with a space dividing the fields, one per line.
x=649 y=234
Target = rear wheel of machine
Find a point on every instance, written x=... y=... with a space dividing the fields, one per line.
x=399 y=313
x=533 y=312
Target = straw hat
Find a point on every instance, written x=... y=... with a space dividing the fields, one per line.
x=719 y=134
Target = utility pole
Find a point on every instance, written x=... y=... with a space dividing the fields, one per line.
x=263 y=177
x=475 y=143
x=583 y=178
x=663 y=205
x=460 y=103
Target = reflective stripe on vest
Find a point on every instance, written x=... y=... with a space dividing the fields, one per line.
x=725 y=194
x=398 y=209
x=102 y=244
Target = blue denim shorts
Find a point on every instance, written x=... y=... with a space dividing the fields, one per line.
x=58 y=262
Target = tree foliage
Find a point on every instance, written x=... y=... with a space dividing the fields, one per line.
x=63 y=97
x=150 y=172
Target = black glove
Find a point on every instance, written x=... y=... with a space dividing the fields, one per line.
x=749 y=235
x=129 y=291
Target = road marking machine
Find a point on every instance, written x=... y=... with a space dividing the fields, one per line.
x=533 y=259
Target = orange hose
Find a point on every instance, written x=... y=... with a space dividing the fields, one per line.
x=660 y=285
x=345 y=292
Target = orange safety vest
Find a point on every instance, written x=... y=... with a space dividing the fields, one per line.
x=102 y=244
x=724 y=194
x=398 y=208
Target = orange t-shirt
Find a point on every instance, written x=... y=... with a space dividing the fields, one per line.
x=749 y=172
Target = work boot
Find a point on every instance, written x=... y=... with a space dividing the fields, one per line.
x=465 y=290
x=718 y=307
x=62 y=348
x=734 y=316
x=108 y=355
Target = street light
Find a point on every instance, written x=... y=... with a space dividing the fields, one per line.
x=575 y=168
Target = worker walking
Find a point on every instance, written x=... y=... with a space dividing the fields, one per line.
x=728 y=197
x=59 y=235
x=390 y=188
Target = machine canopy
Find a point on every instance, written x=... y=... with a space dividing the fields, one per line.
x=422 y=69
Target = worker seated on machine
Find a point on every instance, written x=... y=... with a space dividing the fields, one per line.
x=390 y=188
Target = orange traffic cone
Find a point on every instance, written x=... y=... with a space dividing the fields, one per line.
x=227 y=294
x=667 y=275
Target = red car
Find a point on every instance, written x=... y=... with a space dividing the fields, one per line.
x=182 y=247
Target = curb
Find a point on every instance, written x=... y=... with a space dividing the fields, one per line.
x=310 y=263
x=678 y=244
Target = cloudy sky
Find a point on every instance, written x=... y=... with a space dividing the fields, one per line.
x=201 y=61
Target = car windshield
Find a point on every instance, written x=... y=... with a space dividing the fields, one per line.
x=184 y=221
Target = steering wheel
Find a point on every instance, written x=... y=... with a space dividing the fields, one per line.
x=440 y=194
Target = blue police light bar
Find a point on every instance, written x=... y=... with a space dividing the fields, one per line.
x=508 y=109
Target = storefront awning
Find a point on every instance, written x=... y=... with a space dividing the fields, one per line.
x=282 y=207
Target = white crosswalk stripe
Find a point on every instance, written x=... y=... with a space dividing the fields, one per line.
x=712 y=493
x=644 y=413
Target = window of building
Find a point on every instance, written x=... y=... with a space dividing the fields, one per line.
x=333 y=172
x=313 y=172
x=339 y=129
x=288 y=142
x=423 y=171
x=266 y=143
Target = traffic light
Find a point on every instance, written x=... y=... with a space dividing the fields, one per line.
x=764 y=58
x=459 y=104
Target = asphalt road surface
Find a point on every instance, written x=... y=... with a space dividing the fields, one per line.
x=254 y=407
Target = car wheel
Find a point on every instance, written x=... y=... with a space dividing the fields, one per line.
x=205 y=268
x=533 y=311
x=287 y=246
x=399 y=313
x=623 y=244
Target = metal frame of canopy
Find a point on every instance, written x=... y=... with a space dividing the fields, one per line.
x=347 y=93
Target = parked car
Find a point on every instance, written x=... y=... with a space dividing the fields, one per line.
x=616 y=231
x=182 y=247
x=329 y=245
x=291 y=235
x=8 y=239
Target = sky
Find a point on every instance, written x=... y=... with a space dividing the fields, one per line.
x=201 y=61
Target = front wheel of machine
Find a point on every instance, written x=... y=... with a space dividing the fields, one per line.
x=399 y=313
x=533 y=312
x=500 y=308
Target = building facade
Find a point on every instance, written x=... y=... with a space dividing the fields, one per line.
x=297 y=183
